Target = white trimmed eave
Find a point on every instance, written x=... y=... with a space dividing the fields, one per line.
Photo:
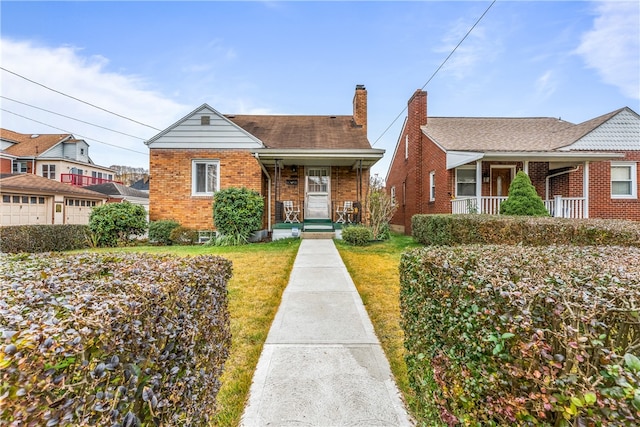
x=457 y=158
x=309 y=157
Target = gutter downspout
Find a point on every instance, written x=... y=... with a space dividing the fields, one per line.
x=546 y=180
x=264 y=170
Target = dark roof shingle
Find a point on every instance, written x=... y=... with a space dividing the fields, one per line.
x=306 y=132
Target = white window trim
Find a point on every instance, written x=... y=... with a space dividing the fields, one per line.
x=194 y=162
x=456 y=182
x=634 y=180
x=432 y=186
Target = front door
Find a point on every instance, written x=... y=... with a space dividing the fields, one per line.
x=317 y=193
x=500 y=181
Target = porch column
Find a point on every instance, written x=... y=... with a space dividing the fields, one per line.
x=525 y=167
x=479 y=186
x=585 y=188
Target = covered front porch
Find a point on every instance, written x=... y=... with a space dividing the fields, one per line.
x=312 y=188
x=559 y=206
x=561 y=179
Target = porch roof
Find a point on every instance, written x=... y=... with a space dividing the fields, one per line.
x=319 y=157
x=459 y=158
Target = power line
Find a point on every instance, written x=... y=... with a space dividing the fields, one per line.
x=73 y=118
x=75 y=134
x=79 y=100
x=437 y=69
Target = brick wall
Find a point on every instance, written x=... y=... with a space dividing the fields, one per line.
x=170 y=183
x=407 y=173
x=601 y=205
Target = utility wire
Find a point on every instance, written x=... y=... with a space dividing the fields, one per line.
x=72 y=118
x=79 y=100
x=71 y=133
x=438 y=69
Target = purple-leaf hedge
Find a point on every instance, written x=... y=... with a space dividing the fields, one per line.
x=522 y=335
x=111 y=339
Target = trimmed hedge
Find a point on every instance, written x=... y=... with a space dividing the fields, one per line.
x=535 y=231
x=43 y=238
x=357 y=235
x=522 y=335
x=160 y=231
x=112 y=339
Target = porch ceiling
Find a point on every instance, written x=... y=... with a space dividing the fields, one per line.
x=298 y=157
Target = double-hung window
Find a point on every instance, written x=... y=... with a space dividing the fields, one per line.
x=205 y=177
x=466 y=182
x=624 y=184
x=49 y=171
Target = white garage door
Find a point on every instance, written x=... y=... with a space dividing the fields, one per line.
x=25 y=209
x=77 y=211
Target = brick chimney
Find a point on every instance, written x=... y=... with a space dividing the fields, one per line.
x=360 y=106
x=417 y=108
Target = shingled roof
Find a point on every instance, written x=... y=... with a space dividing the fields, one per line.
x=27 y=182
x=304 y=132
x=28 y=145
x=507 y=134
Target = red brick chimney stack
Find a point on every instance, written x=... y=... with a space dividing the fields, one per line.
x=360 y=106
x=417 y=108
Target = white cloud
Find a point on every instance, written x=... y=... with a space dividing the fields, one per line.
x=545 y=85
x=612 y=46
x=88 y=78
x=470 y=53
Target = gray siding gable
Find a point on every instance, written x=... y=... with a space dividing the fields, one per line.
x=190 y=132
x=621 y=132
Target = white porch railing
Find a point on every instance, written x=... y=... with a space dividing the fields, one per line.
x=570 y=207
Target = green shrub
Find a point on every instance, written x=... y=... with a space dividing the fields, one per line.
x=160 y=231
x=115 y=224
x=533 y=231
x=43 y=238
x=523 y=199
x=522 y=335
x=237 y=213
x=184 y=236
x=357 y=235
x=112 y=339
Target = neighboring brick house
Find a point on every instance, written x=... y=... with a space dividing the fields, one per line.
x=29 y=199
x=61 y=157
x=317 y=162
x=466 y=164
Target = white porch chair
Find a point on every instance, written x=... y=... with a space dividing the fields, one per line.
x=291 y=212
x=344 y=212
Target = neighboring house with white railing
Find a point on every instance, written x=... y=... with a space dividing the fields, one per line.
x=60 y=157
x=466 y=164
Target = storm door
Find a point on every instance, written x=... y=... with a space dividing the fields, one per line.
x=317 y=188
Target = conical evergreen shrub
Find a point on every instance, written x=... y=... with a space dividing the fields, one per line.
x=523 y=199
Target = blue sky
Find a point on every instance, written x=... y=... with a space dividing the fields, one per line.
x=157 y=61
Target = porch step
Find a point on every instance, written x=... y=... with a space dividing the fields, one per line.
x=318 y=229
x=318 y=234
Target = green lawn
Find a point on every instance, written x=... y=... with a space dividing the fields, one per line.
x=260 y=275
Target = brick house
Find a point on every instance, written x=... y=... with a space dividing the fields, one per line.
x=316 y=162
x=61 y=157
x=466 y=164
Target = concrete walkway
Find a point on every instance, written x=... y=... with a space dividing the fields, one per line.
x=322 y=364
